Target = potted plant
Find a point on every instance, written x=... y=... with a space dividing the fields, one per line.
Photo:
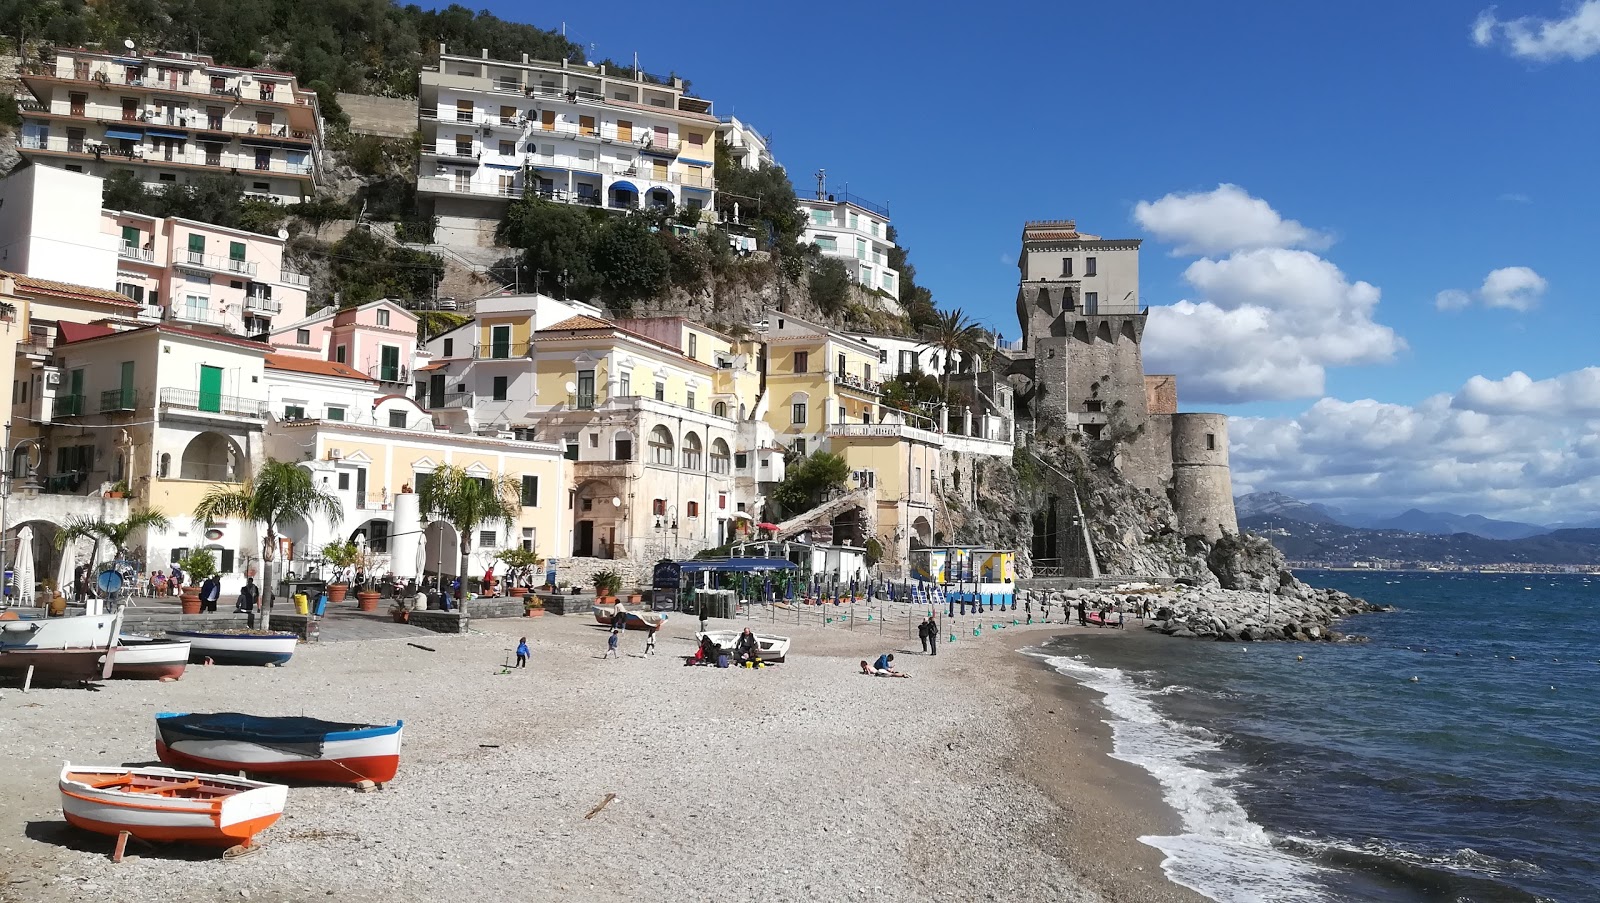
x=399 y=611
x=197 y=566
x=519 y=563
x=118 y=490
x=606 y=584
x=532 y=606
x=367 y=594
x=341 y=555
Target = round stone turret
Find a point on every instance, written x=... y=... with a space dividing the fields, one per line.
x=1202 y=488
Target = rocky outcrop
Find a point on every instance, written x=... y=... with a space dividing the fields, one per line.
x=1297 y=612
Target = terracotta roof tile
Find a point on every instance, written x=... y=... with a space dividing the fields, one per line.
x=581 y=321
x=68 y=290
x=314 y=367
x=78 y=332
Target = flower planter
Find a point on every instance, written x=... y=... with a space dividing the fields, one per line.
x=337 y=591
x=189 y=600
x=400 y=615
x=518 y=591
x=635 y=599
x=533 y=613
x=367 y=600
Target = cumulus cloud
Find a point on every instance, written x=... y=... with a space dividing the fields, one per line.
x=1575 y=37
x=1268 y=324
x=1514 y=447
x=1223 y=220
x=1511 y=288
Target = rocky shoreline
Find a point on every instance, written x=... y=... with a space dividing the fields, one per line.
x=1295 y=612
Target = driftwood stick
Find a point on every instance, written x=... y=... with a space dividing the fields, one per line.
x=603 y=803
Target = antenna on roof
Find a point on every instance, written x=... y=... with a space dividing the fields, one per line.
x=822 y=184
x=128 y=43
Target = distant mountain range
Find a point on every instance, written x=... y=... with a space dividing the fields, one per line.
x=1414 y=520
x=1337 y=544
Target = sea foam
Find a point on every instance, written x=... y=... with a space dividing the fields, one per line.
x=1221 y=854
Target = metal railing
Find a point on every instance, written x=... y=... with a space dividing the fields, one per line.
x=501 y=351
x=163 y=156
x=857 y=382
x=448 y=400
x=190 y=120
x=389 y=374
x=263 y=304
x=39 y=341
x=101 y=75
x=451 y=151
x=213 y=403
x=69 y=406
x=845 y=197
x=447 y=185
x=217 y=262
x=118 y=400
x=187 y=314
x=134 y=252
x=300 y=280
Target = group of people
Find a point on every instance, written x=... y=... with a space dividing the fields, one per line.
x=883 y=667
x=746 y=651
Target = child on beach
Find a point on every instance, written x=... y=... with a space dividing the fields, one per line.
x=522 y=653
x=611 y=644
x=650 y=641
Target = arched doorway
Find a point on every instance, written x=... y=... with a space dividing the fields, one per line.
x=211 y=456
x=921 y=532
x=597 y=528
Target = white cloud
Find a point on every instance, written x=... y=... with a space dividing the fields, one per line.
x=1511 y=288
x=1576 y=37
x=1223 y=220
x=1514 y=447
x=1269 y=323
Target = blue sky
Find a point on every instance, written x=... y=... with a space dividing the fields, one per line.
x=1415 y=147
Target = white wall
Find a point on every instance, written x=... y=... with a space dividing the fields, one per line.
x=50 y=227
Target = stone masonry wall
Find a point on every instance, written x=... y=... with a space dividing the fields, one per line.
x=1202 y=486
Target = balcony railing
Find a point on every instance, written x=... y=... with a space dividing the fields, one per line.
x=845 y=197
x=38 y=341
x=186 y=314
x=134 y=252
x=118 y=400
x=213 y=403
x=195 y=121
x=69 y=406
x=389 y=374
x=138 y=153
x=106 y=76
x=449 y=400
x=217 y=262
x=299 y=280
x=446 y=185
x=856 y=382
x=880 y=431
x=262 y=304
x=500 y=351
x=451 y=152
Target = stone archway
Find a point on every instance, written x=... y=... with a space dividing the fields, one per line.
x=211 y=456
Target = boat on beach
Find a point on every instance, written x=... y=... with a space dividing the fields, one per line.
x=57 y=665
x=631 y=620
x=147 y=658
x=166 y=806
x=60 y=650
x=773 y=648
x=238 y=648
x=290 y=747
x=58 y=633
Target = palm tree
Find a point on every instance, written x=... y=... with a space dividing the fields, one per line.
x=467 y=502
x=114 y=532
x=953 y=332
x=282 y=490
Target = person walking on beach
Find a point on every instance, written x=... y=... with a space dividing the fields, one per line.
x=611 y=644
x=1027 y=608
x=522 y=653
x=933 y=636
x=650 y=641
x=210 y=592
x=1083 y=614
x=922 y=634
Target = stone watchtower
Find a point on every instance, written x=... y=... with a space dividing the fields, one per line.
x=1081 y=366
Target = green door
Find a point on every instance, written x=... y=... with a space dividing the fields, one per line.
x=210 y=389
x=127 y=386
x=197 y=248
x=500 y=342
x=130 y=238
x=74 y=403
x=389 y=364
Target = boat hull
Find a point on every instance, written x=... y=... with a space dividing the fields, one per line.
x=223 y=812
x=370 y=753
x=55 y=664
x=773 y=648
x=149 y=661
x=631 y=620
x=59 y=633
x=237 y=649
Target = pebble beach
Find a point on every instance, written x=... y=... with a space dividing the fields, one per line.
x=984 y=777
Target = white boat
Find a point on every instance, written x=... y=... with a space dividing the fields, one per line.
x=773 y=648
x=143 y=658
x=165 y=806
x=58 y=633
x=631 y=620
x=241 y=648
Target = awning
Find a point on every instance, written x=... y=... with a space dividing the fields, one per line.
x=692 y=162
x=736 y=564
x=125 y=134
x=624 y=186
x=128 y=60
x=168 y=133
x=512 y=166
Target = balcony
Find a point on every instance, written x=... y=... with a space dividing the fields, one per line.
x=501 y=351
x=448 y=400
x=216 y=262
x=880 y=431
x=183 y=313
x=298 y=280
x=151 y=156
x=845 y=197
x=212 y=403
x=116 y=76
x=389 y=373
x=118 y=400
x=69 y=406
x=455 y=152
x=129 y=251
x=860 y=384
x=211 y=128
x=262 y=304
x=446 y=185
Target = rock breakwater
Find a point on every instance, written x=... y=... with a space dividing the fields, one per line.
x=1295 y=612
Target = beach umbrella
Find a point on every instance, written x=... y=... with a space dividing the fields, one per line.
x=64 y=571
x=24 y=565
x=422 y=555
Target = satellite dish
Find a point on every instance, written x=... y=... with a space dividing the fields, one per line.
x=283 y=233
x=128 y=43
x=571 y=388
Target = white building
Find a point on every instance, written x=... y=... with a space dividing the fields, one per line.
x=50 y=227
x=493 y=130
x=748 y=147
x=856 y=231
x=169 y=118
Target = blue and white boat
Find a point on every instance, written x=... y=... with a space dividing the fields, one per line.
x=238 y=648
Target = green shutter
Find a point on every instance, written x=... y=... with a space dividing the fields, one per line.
x=210 y=387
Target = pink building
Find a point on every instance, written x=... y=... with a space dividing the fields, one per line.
x=200 y=274
x=378 y=339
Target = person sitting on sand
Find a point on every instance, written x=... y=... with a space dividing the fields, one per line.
x=880 y=668
x=746 y=649
x=708 y=650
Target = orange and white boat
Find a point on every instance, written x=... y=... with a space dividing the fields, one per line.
x=166 y=806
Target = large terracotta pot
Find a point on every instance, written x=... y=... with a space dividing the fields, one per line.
x=189 y=600
x=534 y=612
x=337 y=591
x=367 y=600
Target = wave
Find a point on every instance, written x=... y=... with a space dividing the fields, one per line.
x=1463 y=874
x=1221 y=853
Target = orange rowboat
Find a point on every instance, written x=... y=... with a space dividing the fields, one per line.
x=166 y=806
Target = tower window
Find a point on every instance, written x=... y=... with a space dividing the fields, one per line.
x=1211 y=441
x=1066 y=266
x=1089 y=266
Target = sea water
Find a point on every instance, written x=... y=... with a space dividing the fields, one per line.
x=1455 y=756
